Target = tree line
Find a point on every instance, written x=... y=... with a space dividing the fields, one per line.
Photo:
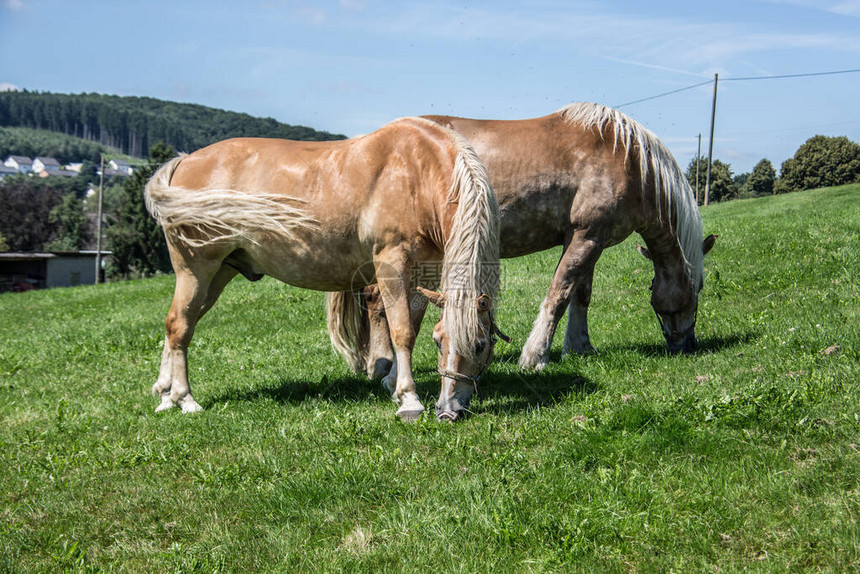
x=821 y=161
x=133 y=125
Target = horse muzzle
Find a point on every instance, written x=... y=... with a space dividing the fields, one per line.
x=453 y=408
x=684 y=343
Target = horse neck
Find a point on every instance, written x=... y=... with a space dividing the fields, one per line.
x=664 y=249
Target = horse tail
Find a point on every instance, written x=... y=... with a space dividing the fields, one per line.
x=348 y=327
x=158 y=186
x=198 y=217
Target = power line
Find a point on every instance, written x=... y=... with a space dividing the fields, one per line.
x=665 y=94
x=746 y=79
x=791 y=76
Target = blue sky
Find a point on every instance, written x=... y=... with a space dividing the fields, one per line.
x=349 y=66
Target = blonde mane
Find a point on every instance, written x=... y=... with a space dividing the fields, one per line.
x=470 y=266
x=219 y=214
x=674 y=200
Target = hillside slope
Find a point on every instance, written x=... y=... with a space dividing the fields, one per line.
x=133 y=124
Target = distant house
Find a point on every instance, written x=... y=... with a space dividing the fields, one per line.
x=42 y=164
x=4 y=171
x=120 y=165
x=22 y=163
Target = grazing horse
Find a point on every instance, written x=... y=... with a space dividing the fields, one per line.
x=333 y=216
x=585 y=177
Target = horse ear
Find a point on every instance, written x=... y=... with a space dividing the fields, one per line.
x=644 y=252
x=484 y=303
x=434 y=296
x=708 y=243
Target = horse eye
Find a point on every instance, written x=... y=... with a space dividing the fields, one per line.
x=480 y=346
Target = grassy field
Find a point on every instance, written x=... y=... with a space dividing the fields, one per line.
x=745 y=456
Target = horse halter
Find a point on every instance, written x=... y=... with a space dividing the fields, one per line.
x=495 y=335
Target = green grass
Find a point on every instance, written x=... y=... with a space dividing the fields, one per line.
x=745 y=456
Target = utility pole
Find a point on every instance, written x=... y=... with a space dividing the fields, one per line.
x=711 y=143
x=698 y=157
x=99 y=223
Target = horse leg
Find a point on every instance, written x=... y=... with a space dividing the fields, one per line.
x=576 y=339
x=396 y=297
x=380 y=353
x=576 y=264
x=194 y=295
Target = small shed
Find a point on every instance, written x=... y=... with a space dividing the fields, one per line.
x=25 y=271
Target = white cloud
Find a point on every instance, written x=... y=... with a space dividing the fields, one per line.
x=14 y=5
x=844 y=8
x=849 y=8
x=315 y=14
x=351 y=4
x=7 y=87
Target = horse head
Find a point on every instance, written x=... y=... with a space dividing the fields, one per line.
x=461 y=369
x=675 y=298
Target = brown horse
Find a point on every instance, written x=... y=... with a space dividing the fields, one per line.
x=584 y=177
x=333 y=216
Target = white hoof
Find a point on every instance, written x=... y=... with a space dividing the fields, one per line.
x=410 y=407
x=189 y=405
x=166 y=404
x=531 y=362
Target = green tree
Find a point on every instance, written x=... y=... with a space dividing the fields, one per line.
x=821 y=162
x=137 y=242
x=71 y=222
x=3 y=245
x=723 y=186
x=24 y=216
x=760 y=181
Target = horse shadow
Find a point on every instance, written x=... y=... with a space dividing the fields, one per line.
x=347 y=388
x=499 y=391
x=504 y=388
x=705 y=345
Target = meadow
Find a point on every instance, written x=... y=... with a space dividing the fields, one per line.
x=742 y=457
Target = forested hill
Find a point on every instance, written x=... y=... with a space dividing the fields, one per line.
x=133 y=124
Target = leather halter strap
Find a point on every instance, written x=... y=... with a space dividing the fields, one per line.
x=495 y=334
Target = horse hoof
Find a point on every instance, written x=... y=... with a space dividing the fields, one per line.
x=529 y=365
x=189 y=405
x=409 y=414
x=166 y=404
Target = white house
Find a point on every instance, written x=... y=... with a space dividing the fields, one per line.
x=4 y=171
x=48 y=164
x=121 y=165
x=22 y=163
